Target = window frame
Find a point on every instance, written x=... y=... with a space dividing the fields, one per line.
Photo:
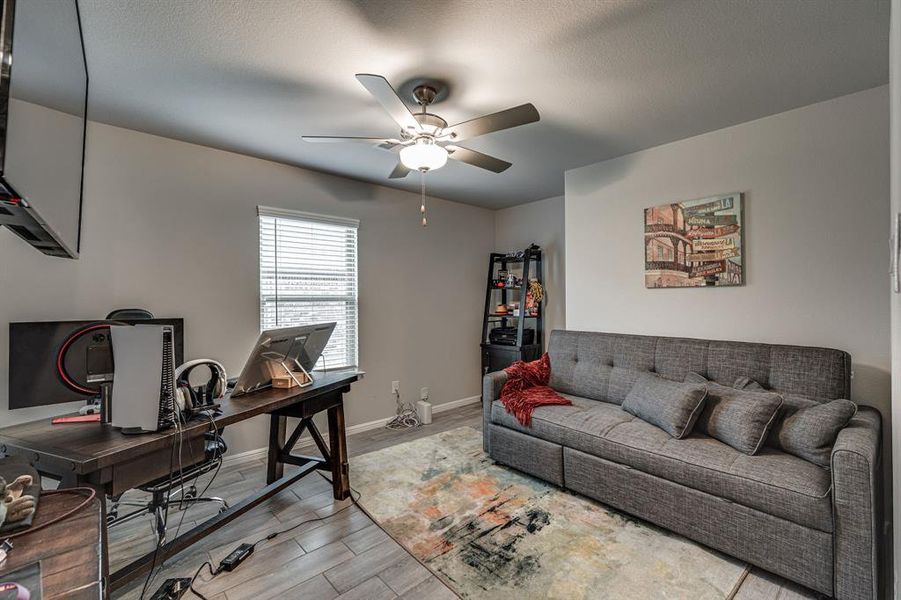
x=302 y=216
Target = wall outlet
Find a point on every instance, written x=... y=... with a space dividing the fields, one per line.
x=424 y=393
x=395 y=387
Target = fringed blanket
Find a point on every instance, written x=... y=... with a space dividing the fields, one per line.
x=526 y=389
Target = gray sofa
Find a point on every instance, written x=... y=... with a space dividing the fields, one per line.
x=818 y=527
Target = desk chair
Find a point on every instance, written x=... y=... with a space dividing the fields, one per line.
x=180 y=490
x=168 y=490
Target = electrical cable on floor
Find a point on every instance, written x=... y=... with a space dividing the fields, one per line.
x=159 y=541
x=249 y=548
x=406 y=418
x=176 y=421
x=162 y=536
x=178 y=425
x=245 y=550
x=213 y=574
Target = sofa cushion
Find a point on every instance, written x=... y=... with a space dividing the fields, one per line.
x=584 y=361
x=727 y=361
x=674 y=357
x=804 y=371
x=600 y=368
x=548 y=422
x=772 y=481
x=810 y=433
x=672 y=406
x=791 y=402
x=806 y=427
x=739 y=418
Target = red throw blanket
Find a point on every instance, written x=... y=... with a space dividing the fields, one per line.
x=526 y=389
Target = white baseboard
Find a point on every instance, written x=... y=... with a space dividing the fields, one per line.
x=379 y=423
x=440 y=408
x=359 y=428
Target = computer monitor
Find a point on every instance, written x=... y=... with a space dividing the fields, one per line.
x=283 y=351
x=34 y=376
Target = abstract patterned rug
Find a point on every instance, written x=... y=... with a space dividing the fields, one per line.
x=493 y=532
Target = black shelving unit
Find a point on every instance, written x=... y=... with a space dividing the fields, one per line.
x=499 y=356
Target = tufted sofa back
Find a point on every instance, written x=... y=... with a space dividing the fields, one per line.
x=603 y=366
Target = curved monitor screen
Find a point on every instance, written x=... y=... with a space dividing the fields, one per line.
x=45 y=127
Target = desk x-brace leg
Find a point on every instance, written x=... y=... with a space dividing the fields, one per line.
x=334 y=454
x=284 y=453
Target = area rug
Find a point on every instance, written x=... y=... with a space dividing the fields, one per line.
x=492 y=532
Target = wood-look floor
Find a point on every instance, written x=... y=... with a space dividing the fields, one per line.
x=344 y=555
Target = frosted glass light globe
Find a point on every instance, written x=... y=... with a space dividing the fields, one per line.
x=423 y=156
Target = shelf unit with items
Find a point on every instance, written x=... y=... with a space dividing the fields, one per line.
x=513 y=320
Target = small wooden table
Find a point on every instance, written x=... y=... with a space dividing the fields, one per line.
x=101 y=457
x=70 y=552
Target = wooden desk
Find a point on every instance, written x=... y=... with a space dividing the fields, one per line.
x=69 y=551
x=101 y=457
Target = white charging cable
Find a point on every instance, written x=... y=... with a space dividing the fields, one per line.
x=406 y=417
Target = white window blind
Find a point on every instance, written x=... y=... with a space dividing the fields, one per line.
x=308 y=274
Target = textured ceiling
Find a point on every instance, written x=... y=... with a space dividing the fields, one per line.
x=608 y=78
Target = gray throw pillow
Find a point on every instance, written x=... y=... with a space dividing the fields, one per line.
x=672 y=406
x=808 y=428
x=742 y=419
x=810 y=433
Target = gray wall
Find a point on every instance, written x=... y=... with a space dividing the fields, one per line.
x=541 y=223
x=172 y=227
x=895 y=85
x=816 y=184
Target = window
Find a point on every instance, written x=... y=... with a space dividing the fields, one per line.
x=308 y=274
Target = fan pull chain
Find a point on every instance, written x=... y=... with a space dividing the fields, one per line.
x=422 y=189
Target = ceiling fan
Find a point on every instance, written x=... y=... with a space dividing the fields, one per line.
x=426 y=141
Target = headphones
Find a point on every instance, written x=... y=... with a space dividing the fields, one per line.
x=188 y=397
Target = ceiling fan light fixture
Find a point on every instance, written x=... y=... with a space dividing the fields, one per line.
x=424 y=155
x=422 y=133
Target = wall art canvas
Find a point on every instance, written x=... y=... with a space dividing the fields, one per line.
x=695 y=243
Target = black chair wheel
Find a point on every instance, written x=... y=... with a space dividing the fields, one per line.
x=191 y=492
x=222 y=509
x=112 y=516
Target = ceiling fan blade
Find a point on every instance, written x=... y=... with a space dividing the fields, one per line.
x=330 y=139
x=399 y=172
x=379 y=87
x=477 y=159
x=393 y=146
x=505 y=119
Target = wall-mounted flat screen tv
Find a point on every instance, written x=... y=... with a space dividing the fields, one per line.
x=43 y=105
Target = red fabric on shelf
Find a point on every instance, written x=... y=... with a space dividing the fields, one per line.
x=526 y=389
